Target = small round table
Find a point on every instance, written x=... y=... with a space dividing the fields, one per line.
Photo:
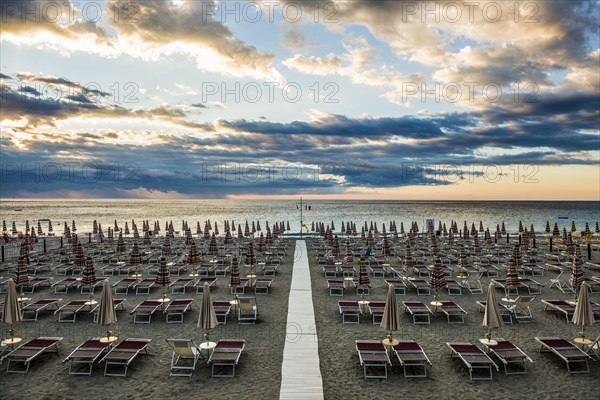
x=91 y=303
x=390 y=343
x=488 y=342
x=108 y=339
x=362 y=304
x=208 y=347
x=582 y=341
x=12 y=341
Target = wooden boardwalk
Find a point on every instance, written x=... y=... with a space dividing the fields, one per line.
x=300 y=373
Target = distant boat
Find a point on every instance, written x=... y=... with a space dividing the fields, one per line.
x=18 y=209
x=562 y=217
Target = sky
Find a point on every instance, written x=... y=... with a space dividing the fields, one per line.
x=487 y=100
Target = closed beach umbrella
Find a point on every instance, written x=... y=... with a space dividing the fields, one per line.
x=234 y=279
x=391 y=317
x=193 y=254
x=88 y=275
x=556 y=230
x=121 y=248
x=106 y=309
x=577 y=277
x=491 y=317
x=21 y=277
x=512 y=277
x=3 y=225
x=14 y=228
x=207 y=319
x=166 y=246
x=213 y=249
x=11 y=314
x=363 y=275
x=135 y=258
x=162 y=275
x=39 y=228
x=438 y=278
x=547 y=229
x=583 y=315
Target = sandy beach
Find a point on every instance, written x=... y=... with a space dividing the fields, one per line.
x=259 y=372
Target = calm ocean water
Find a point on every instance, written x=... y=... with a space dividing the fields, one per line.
x=107 y=211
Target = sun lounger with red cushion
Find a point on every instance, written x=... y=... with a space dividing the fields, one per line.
x=176 y=309
x=420 y=312
x=31 y=311
x=567 y=351
x=181 y=284
x=412 y=357
x=33 y=283
x=142 y=313
x=212 y=281
x=222 y=309
x=349 y=309
x=509 y=354
x=474 y=359
x=455 y=313
x=68 y=312
x=226 y=354
x=123 y=354
x=21 y=357
x=561 y=306
x=82 y=359
x=372 y=354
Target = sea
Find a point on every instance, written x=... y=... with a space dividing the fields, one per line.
x=107 y=211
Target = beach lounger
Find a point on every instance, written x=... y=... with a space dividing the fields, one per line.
x=226 y=354
x=123 y=286
x=412 y=359
x=204 y=269
x=567 y=351
x=247 y=310
x=221 y=270
x=361 y=289
x=177 y=269
x=372 y=354
x=558 y=266
x=123 y=354
x=68 y=312
x=594 y=347
x=64 y=285
x=110 y=269
x=31 y=311
x=532 y=286
x=420 y=312
x=473 y=282
x=421 y=285
x=143 y=286
x=509 y=354
x=336 y=287
x=64 y=269
x=34 y=283
x=398 y=284
x=534 y=269
x=521 y=308
x=561 y=306
x=488 y=269
x=19 y=360
x=421 y=271
x=376 y=309
x=349 y=310
x=348 y=271
x=455 y=313
x=505 y=311
x=82 y=359
x=142 y=313
x=222 y=309
x=270 y=269
x=85 y=289
x=184 y=351
x=330 y=271
x=241 y=288
x=474 y=359
x=35 y=268
x=180 y=285
x=176 y=309
x=212 y=281
x=563 y=282
x=377 y=271
x=454 y=288
x=262 y=285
